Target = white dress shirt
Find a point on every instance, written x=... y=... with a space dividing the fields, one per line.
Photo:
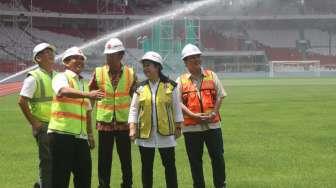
x=155 y=140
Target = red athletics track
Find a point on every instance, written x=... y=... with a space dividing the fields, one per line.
x=9 y=88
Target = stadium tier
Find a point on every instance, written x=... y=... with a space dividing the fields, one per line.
x=248 y=40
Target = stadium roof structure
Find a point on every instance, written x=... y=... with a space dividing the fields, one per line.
x=298 y=17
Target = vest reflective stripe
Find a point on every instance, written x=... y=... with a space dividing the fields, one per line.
x=70 y=101
x=116 y=102
x=205 y=103
x=69 y=114
x=44 y=99
x=69 y=108
x=40 y=104
x=112 y=95
x=164 y=111
x=111 y=107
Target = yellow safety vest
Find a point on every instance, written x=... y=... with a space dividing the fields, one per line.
x=68 y=115
x=115 y=104
x=164 y=109
x=40 y=104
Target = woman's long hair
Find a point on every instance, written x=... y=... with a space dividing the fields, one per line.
x=162 y=76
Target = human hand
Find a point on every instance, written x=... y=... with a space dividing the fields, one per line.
x=91 y=141
x=202 y=117
x=177 y=132
x=132 y=132
x=212 y=115
x=96 y=94
x=36 y=128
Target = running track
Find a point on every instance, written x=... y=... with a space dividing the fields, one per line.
x=6 y=89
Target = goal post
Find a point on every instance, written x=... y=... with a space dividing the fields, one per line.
x=294 y=68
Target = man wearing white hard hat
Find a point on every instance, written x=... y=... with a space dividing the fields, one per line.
x=201 y=93
x=116 y=81
x=155 y=117
x=70 y=128
x=35 y=101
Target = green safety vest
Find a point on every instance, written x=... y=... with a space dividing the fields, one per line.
x=68 y=115
x=40 y=104
x=115 y=104
x=164 y=109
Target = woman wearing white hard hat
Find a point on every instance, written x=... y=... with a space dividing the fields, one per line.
x=35 y=101
x=201 y=93
x=155 y=117
x=117 y=81
x=70 y=129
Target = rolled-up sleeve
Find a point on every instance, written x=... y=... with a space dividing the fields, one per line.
x=177 y=106
x=134 y=108
x=219 y=87
x=28 y=87
x=59 y=82
x=178 y=88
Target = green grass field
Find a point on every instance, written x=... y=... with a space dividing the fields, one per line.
x=277 y=132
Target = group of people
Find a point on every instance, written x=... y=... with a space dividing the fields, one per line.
x=153 y=113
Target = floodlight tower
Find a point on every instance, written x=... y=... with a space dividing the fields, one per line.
x=302 y=44
x=22 y=23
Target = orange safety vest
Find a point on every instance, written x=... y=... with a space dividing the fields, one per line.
x=202 y=103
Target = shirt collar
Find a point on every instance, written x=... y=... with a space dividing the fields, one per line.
x=73 y=74
x=121 y=68
x=202 y=72
x=43 y=70
x=154 y=83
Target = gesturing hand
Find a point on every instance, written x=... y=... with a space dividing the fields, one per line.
x=96 y=94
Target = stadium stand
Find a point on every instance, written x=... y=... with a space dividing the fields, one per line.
x=278 y=42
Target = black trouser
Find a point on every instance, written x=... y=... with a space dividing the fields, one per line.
x=70 y=154
x=45 y=165
x=168 y=161
x=105 y=150
x=194 y=142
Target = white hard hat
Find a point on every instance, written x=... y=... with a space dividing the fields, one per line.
x=189 y=50
x=152 y=56
x=40 y=47
x=73 y=51
x=113 y=45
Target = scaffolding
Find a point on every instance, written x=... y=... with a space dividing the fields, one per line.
x=167 y=45
x=192 y=31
